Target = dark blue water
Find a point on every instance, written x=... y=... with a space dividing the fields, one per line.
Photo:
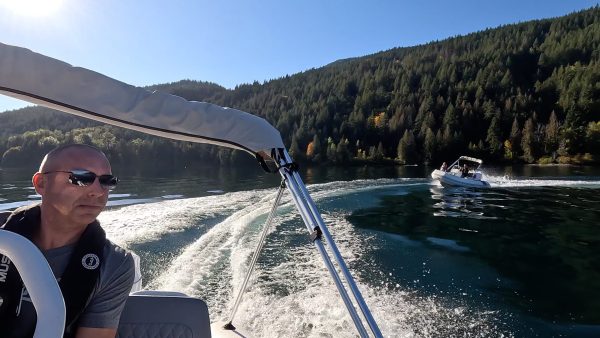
x=531 y=253
x=519 y=259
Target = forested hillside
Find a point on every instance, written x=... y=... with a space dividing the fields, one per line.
x=527 y=92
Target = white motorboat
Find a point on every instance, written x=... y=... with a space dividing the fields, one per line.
x=464 y=172
x=51 y=83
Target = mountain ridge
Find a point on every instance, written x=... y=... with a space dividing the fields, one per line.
x=524 y=92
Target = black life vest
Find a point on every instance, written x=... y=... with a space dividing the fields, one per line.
x=76 y=284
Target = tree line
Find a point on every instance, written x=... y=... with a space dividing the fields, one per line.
x=527 y=92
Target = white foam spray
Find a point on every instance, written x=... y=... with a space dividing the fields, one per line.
x=292 y=296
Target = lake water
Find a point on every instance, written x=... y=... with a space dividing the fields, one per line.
x=520 y=259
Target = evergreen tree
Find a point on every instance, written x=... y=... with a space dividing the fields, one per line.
x=527 y=141
x=331 y=150
x=407 y=147
x=429 y=146
x=515 y=138
x=552 y=132
x=593 y=138
x=295 y=151
x=574 y=130
x=493 y=137
x=342 y=151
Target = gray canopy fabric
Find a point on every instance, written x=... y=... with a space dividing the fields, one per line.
x=52 y=83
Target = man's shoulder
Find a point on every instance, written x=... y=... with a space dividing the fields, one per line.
x=118 y=263
x=110 y=245
x=115 y=255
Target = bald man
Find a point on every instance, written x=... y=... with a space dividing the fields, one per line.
x=94 y=274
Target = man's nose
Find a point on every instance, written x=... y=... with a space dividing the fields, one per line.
x=96 y=189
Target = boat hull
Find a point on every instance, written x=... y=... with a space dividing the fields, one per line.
x=450 y=180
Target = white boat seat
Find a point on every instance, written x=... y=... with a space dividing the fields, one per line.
x=157 y=314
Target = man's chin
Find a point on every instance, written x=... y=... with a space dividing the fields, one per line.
x=86 y=216
x=89 y=209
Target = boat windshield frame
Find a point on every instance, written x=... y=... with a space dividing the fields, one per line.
x=473 y=163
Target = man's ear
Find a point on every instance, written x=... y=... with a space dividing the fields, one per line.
x=39 y=183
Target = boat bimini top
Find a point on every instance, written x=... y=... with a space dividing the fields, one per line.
x=469 y=160
x=45 y=81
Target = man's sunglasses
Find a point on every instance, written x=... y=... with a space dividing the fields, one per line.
x=84 y=178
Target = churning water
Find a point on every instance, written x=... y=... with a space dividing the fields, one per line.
x=519 y=259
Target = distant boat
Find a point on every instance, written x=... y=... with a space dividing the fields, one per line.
x=456 y=176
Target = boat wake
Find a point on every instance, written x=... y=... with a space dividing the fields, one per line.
x=509 y=182
x=202 y=246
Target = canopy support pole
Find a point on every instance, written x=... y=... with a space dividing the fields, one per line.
x=314 y=222
x=261 y=243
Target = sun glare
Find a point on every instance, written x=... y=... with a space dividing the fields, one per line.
x=33 y=8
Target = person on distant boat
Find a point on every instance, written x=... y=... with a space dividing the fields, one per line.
x=465 y=171
x=95 y=275
x=444 y=167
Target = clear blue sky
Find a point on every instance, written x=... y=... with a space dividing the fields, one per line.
x=235 y=42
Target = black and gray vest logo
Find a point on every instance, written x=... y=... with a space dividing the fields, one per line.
x=90 y=261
